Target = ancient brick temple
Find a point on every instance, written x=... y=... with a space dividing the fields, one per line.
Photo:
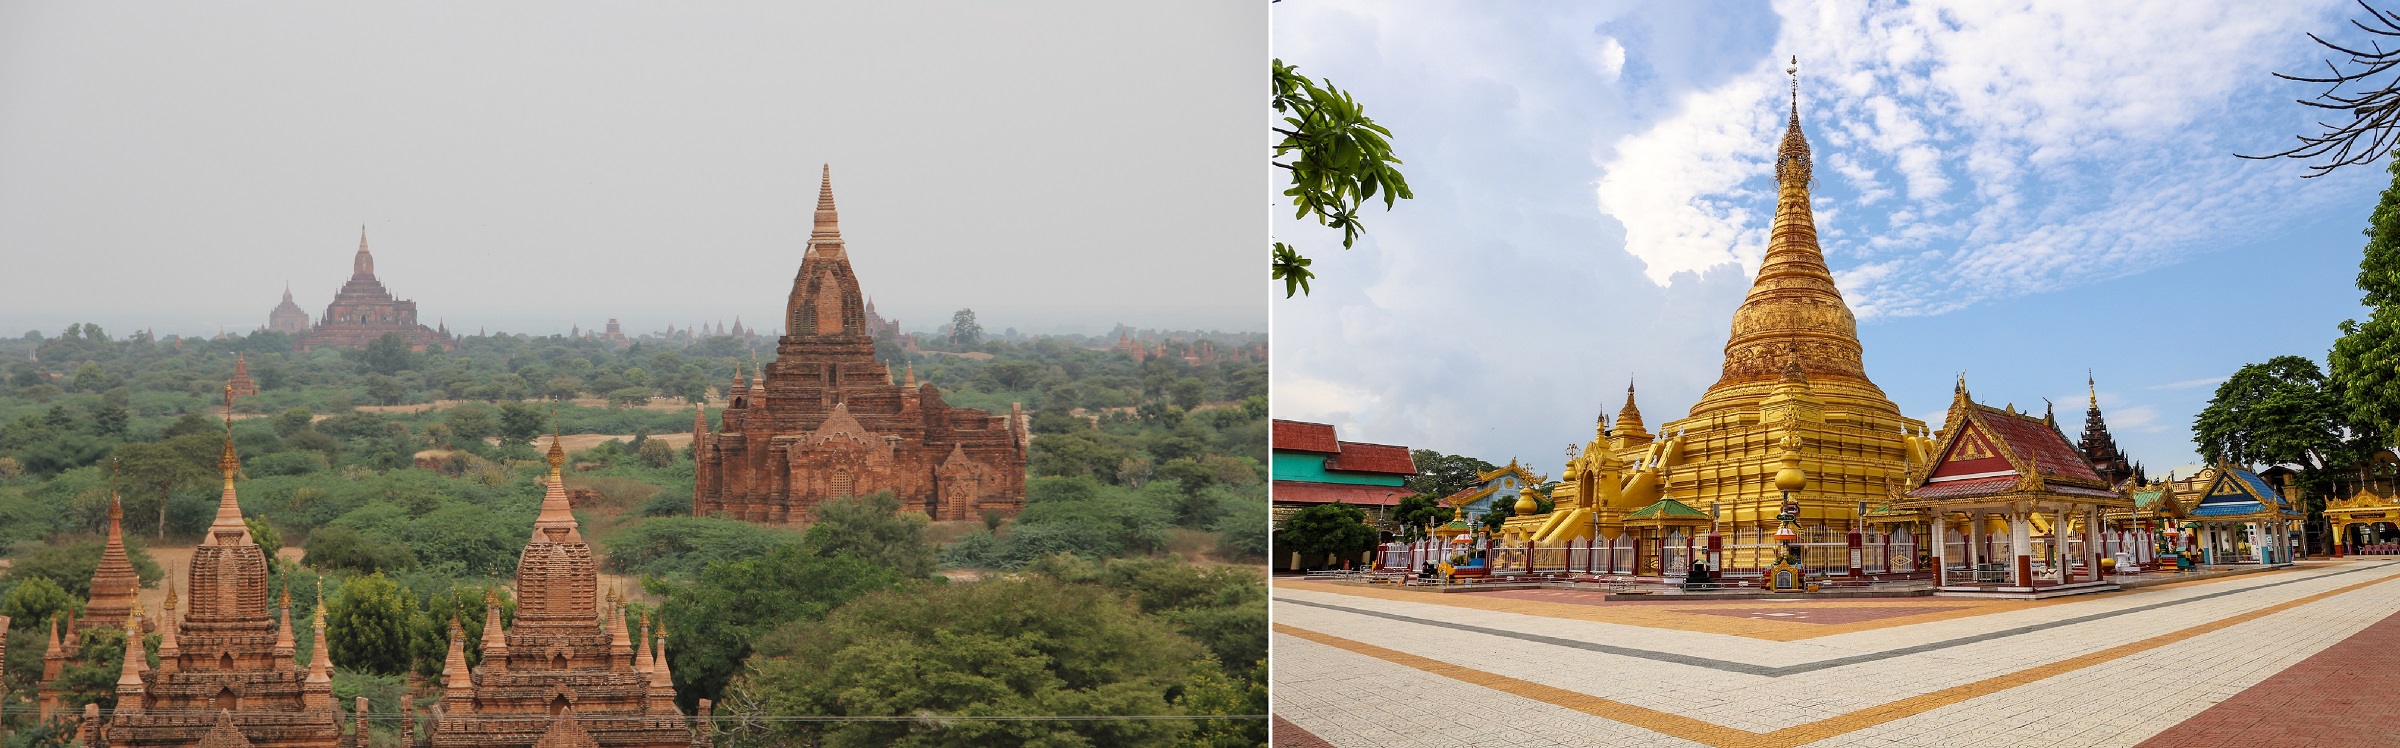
x=110 y=602
x=287 y=317
x=114 y=581
x=226 y=675
x=243 y=386
x=565 y=672
x=828 y=421
x=363 y=311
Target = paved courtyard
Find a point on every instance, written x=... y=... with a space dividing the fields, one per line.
x=2301 y=656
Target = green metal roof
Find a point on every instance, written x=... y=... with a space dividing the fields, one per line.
x=1666 y=509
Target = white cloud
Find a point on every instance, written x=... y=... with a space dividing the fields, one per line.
x=1606 y=57
x=2038 y=145
x=1307 y=399
x=1684 y=189
x=2189 y=383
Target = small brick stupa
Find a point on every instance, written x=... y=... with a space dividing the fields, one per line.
x=114 y=582
x=828 y=421
x=243 y=386
x=565 y=673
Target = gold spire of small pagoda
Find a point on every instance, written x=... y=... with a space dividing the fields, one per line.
x=1629 y=429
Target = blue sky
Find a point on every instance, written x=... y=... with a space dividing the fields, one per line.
x=2019 y=191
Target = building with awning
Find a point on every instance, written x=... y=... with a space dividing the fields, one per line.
x=1311 y=465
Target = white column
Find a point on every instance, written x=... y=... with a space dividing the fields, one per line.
x=2094 y=548
x=1974 y=538
x=1941 y=549
x=2020 y=541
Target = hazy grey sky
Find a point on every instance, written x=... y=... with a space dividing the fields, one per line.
x=1055 y=166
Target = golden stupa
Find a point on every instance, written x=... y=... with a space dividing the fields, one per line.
x=1792 y=366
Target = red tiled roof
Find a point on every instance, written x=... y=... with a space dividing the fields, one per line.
x=2048 y=449
x=1296 y=492
x=1373 y=458
x=1297 y=436
x=1959 y=489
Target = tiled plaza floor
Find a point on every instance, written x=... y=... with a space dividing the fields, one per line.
x=2252 y=660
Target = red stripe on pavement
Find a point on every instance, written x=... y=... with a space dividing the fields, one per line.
x=1288 y=735
x=2343 y=696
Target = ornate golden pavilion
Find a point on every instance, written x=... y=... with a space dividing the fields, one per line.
x=1793 y=355
x=2362 y=519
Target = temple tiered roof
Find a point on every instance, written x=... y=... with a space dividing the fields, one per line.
x=114 y=582
x=363 y=310
x=562 y=674
x=1989 y=452
x=226 y=675
x=769 y=459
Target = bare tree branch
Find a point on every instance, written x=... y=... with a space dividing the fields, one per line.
x=2374 y=126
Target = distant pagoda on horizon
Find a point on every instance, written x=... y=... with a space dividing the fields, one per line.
x=362 y=311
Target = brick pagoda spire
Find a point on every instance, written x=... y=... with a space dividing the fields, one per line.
x=114 y=582
x=242 y=384
x=560 y=675
x=826 y=421
x=2098 y=445
x=222 y=679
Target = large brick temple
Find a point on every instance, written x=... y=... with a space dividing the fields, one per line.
x=829 y=421
x=362 y=311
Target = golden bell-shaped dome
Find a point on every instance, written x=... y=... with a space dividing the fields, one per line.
x=1526 y=503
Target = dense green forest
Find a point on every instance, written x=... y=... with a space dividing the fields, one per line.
x=402 y=483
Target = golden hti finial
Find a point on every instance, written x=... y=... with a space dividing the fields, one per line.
x=2093 y=386
x=558 y=455
x=229 y=462
x=1794 y=72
